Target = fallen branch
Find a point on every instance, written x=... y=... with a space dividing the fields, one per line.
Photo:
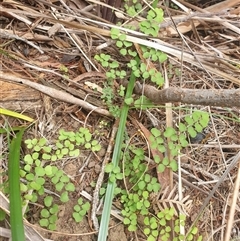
x=209 y=97
x=54 y=93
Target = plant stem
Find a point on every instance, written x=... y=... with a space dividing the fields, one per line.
x=103 y=231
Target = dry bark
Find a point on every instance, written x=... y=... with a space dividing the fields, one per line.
x=54 y=93
x=207 y=97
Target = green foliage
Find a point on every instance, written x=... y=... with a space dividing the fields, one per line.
x=63 y=69
x=121 y=43
x=80 y=210
x=128 y=101
x=103 y=59
x=135 y=201
x=112 y=65
x=143 y=103
x=159 y=227
x=132 y=8
x=108 y=97
x=39 y=170
x=195 y=122
x=121 y=91
x=174 y=140
x=155 y=56
x=48 y=215
x=138 y=182
x=150 y=26
x=115 y=172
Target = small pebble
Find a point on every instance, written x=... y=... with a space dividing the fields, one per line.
x=91 y=164
x=97 y=168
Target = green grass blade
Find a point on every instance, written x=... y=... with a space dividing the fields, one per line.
x=15 y=114
x=16 y=219
x=7 y=130
x=103 y=230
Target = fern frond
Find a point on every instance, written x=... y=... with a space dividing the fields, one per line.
x=170 y=199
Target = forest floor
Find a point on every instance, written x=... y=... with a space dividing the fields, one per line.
x=60 y=56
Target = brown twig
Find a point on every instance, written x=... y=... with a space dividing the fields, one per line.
x=95 y=200
x=7 y=35
x=230 y=167
x=213 y=97
x=233 y=206
x=54 y=93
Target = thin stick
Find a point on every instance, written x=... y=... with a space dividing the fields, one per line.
x=211 y=194
x=54 y=93
x=233 y=206
x=7 y=35
x=101 y=176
